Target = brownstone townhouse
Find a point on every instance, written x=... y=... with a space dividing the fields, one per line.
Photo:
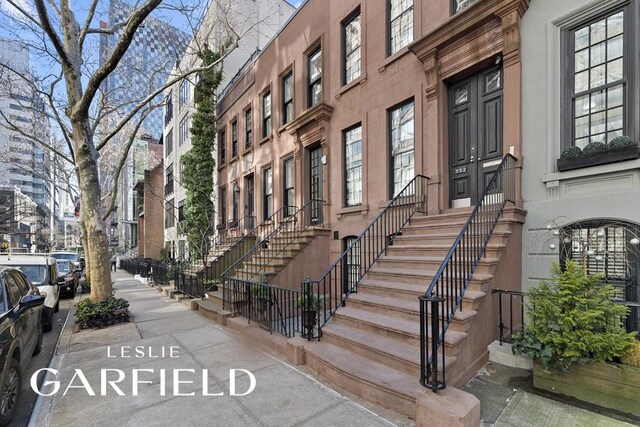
x=373 y=151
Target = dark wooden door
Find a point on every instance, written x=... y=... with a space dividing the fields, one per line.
x=475 y=134
x=315 y=183
x=250 y=202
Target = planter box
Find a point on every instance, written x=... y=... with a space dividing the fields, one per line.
x=601 y=158
x=604 y=384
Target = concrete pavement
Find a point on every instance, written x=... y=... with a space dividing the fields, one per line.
x=283 y=395
x=508 y=400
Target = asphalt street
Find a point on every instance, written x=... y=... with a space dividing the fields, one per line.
x=49 y=340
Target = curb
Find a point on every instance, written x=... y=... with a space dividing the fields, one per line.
x=37 y=418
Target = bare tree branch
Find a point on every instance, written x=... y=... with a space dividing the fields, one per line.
x=158 y=91
x=87 y=23
x=45 y=24
x=110 y=64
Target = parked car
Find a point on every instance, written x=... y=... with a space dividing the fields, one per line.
x=21 y=307
x=42 y=272
x=68 y=278
x=74 y=257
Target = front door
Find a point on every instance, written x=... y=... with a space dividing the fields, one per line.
x=315 y=184
x=475 y=134
x=249 y=202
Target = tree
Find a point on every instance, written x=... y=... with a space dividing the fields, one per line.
x=74 y=98
x=199 y=164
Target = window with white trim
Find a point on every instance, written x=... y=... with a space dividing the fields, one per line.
x=353 y=166
x=400 y=24
x=402 y=146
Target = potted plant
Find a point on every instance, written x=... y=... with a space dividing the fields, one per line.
x=310 y=304
x=575 y=327
x=597 y=153
x=260 y=296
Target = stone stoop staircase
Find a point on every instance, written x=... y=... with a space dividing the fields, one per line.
x=287 y=249
x=214 y=253
x=282 y=249
x=370 y=347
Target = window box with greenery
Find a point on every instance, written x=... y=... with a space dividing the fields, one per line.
x=574 y=334
x=596 y=153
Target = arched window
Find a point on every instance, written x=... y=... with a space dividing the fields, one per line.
x=352 y=264
x=611 y=248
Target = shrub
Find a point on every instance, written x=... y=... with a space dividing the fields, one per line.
x=92 y=314
x=621 y=142
x=631 y=357
x=573 y=319
x=594 y=147
x=314 y=302
x=571 y=152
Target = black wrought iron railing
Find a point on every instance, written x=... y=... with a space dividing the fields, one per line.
x=274 y=308
x=342 y=277
x=444 y=295
x=288 y=225
x=510 y=313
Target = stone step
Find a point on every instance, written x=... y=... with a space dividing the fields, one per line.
x=213 y=310
x=393 y=327
x=405 y=309
x=454 y=215
x=374 y=381
x=393 y=353
x=400 y=248
x=485 y=265
x=498 y=236
x=410 y=292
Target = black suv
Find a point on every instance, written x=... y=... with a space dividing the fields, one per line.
x=21 y=308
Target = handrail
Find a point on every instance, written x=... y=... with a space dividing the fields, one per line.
x=343 y=275
x=263 y=253
x=197 y=283
x=445 y=292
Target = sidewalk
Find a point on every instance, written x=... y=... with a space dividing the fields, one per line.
x=283 y=395
x=509 y=400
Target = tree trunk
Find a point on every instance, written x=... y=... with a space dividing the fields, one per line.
x=96 y=242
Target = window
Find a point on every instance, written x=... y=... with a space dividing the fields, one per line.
x=598 y=80
x=289 y=184
x=611 y=248
x=400 y=24
x=402 y=156
x=266 y=114
x=181 y=211
x=248 y=125
x=267 y=190
x=458 y=5
x=168 y=142
x=168 y=188
x=235 y=203
x=351 y=36
x=14 y=291
x=168 y=109
x=353 y=166
x=182 y=250
x=184 y=130
x=222 y=147
x=315 y=77
x=352 y=270
x=234 y=138
x=287 y=98
x=169 y=214
x=223 y=205
x=184 y=94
